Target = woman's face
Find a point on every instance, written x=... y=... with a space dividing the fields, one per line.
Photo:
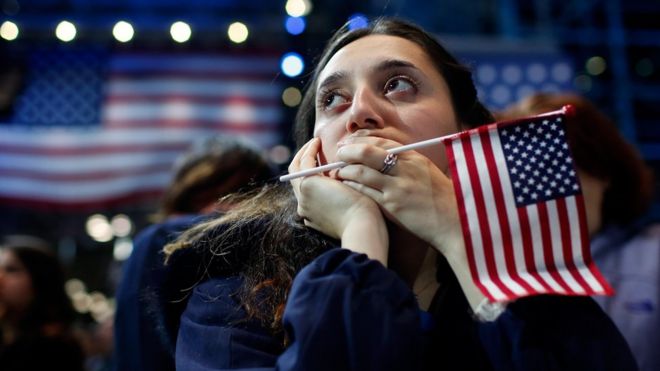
x=383 y=86
x=15 y=283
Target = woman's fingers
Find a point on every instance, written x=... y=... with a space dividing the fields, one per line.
x=363 y=153
x=302 y=158
x=364 y=175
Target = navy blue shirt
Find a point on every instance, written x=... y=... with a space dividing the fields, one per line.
x=347 y=312
x=139 y=338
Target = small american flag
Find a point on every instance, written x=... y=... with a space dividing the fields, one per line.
x=522 y=210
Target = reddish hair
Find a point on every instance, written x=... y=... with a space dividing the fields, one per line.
x=600 y=150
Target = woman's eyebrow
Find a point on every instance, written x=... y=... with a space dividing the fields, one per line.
x=332 y=79
x=394 y=63
x=381 y=66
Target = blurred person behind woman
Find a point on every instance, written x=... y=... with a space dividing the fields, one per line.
x=35 y=311
x=211 y=169
x=618 y=190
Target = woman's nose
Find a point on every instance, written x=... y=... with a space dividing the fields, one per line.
x=366 y=111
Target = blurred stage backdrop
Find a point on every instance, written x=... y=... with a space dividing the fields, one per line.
x=98 y=98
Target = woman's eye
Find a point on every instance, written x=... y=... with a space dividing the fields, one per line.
x=398 y=84
x=331 y=100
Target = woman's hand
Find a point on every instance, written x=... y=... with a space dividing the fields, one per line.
x=336 y=210
x=414 y=194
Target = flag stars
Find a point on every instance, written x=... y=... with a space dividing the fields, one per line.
x=538 y=159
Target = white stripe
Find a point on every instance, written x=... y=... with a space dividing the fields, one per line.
x=473 y=224
x=576 y=238
x=512 y=214
x=179 y=86
x=85 y=163
x=557 y=250
x=537 y=243
x=493 y=218
x=81 y=191
x=94 y=163
x=54 y=138
x=197 y=63
x=240 y=113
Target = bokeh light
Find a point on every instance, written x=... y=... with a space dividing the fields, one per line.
x=291 y=96
x=595 y=65
x=9 y=30
x=180 y=32
x=644 y=67
x=295 y=25
x=121 y=225
x=123 y=31
x=279 y=154
x=292 y=64
x=122 y=249
x=583 y=83
x=356 y=21
x=237 y=32
x=298 y=8
x=65 y=31
x=99 y=228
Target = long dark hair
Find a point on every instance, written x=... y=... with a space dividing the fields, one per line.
x=50 y=304
x=263 y=239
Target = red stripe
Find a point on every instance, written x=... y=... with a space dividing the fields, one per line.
x=170 y=98
x=87 y=176
x=483 y=217
x=565 y=230
x=133 y=199
x=101 y=149
x=528 y=250
x=586 y=252
x=236 y=127
x=201 y=75
x=546 y=241
x=465 y=226
x=500 y=207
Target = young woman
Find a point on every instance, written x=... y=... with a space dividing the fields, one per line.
x=35 y=313
x=274 y=291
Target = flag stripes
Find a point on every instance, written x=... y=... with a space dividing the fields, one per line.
x=518 y=250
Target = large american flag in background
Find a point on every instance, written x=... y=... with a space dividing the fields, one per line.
x=95 y=131
x=521 y=210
